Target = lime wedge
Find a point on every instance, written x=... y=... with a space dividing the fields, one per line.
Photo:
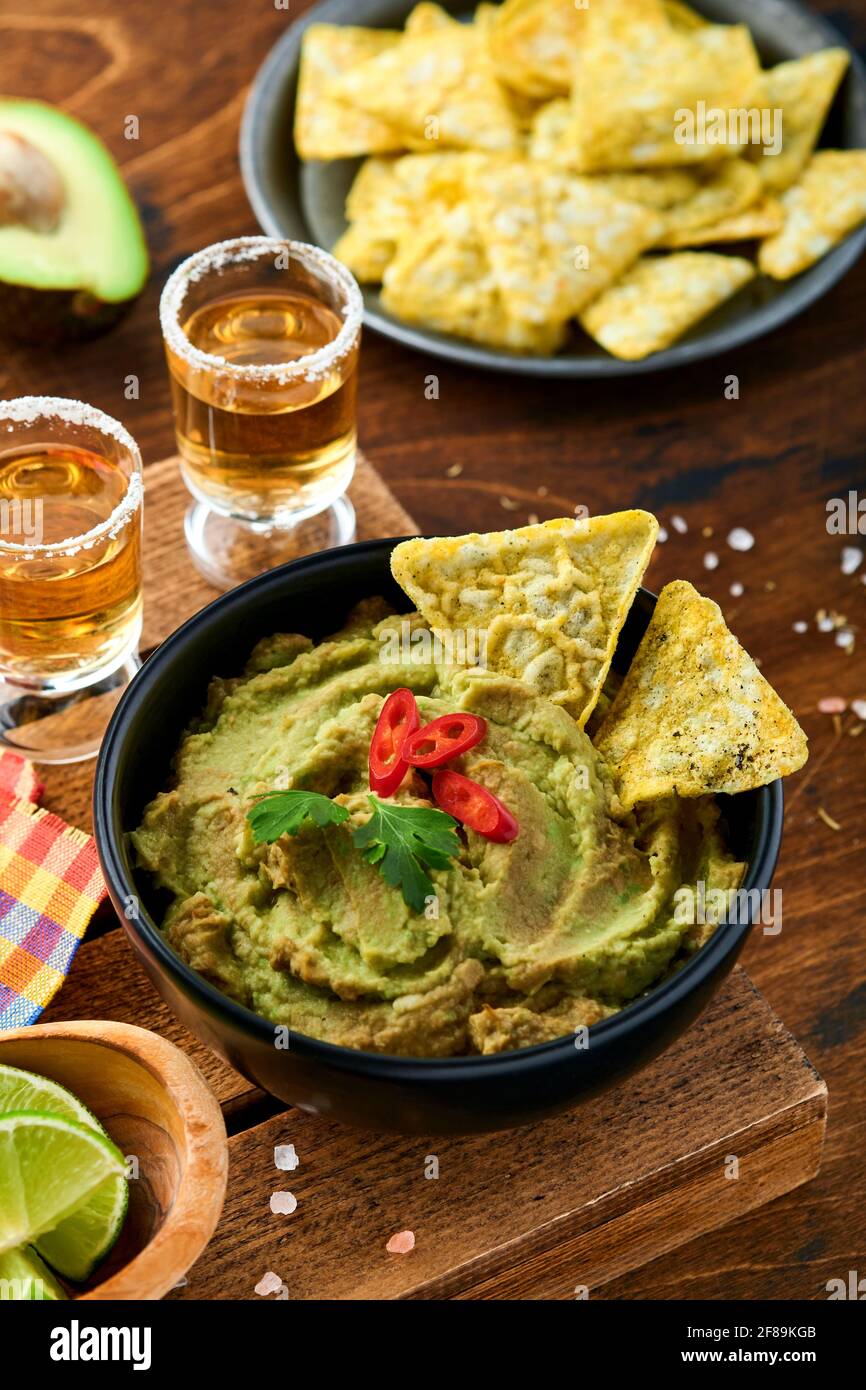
x=80 y=1242
x=23 y=1277
x=50 y=1167
x=85 y=1237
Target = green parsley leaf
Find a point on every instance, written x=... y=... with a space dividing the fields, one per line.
x=404 y=842
x=283 y=813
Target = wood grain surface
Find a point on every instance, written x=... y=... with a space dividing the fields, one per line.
x=535 y=1212
x=768 y=460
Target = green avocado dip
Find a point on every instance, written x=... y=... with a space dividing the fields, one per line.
x=521 y=942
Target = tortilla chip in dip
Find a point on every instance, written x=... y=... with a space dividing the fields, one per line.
x=694 y=715
x=826 y=204
x=328 y=129
x=660 y=298
x=549 y=600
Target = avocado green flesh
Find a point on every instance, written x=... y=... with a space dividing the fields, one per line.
x=556 y=930
x=98 y=245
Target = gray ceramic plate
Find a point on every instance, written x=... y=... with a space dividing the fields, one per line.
x=305 y=201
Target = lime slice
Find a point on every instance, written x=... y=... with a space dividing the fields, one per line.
x=23 y=1277
x=85 y=1237
x=24 y=1090
x=49 y=1167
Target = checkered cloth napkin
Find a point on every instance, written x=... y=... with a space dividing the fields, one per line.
x=50 y=887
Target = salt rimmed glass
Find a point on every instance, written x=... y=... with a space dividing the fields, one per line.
x=70 y=574
x=262 y=340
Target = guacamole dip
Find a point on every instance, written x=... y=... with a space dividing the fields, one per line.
x=523 y=941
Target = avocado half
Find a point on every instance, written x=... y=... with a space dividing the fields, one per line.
x=72 y=250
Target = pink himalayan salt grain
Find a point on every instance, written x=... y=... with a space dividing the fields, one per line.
x=401 y=1243
x=858 y=707
x=283 y=1203
x=270 y=1283
x=832 y=704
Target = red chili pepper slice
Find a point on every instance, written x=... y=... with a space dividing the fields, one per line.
x=475 y=806
x=398 y=719
x=443 y=739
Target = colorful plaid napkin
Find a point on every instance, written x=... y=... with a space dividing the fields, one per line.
x=50 y=887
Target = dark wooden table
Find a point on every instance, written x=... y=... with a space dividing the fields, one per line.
x=673 y=443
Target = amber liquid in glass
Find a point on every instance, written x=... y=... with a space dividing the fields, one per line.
x=256 y=448
x=77 y=610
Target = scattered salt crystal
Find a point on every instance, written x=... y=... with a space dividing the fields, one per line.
x=770 y=585
x=852 y=558
x=662 y=535
x=706 y=532
x=680 y=524
x=283 y=1203
x=737 y=589
x=801 y=626
x=542 y=491
x=832 y=704
x=740 y=539
x=532 y=519
x=401 y=1243
x=711 y=560
x=285 y=1158
x=845 y=638
x=858 y=707
x=271 y=1283
x=826 y=624
x=454 y=471
x=508 y=504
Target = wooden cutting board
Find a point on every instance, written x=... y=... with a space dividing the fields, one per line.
x=729 y=1118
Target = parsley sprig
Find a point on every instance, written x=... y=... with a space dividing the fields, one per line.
x=403 y=842
x=283 y=813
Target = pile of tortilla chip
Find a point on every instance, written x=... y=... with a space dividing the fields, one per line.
x=554 y=163
x=693 y=715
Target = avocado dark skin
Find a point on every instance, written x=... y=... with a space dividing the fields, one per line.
x=49 y=317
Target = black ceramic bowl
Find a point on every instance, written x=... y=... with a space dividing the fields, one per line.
x=313 y=596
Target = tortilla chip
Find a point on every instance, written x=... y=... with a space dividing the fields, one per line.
x=828 y=202
x=551 y=598
x=438 y=87
x=328 y=129
x=694 y=715
x=554 y=241
x=440 y=278
x=660 y=298
x=761 y=220
x=654 y=188
x=635 y=75
x=683 y=16
x=389 y=198
x=426 y=18
x=803 y=91
x=727 y=190
x=533 y=43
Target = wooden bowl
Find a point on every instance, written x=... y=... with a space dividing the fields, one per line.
x=157 y=1107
